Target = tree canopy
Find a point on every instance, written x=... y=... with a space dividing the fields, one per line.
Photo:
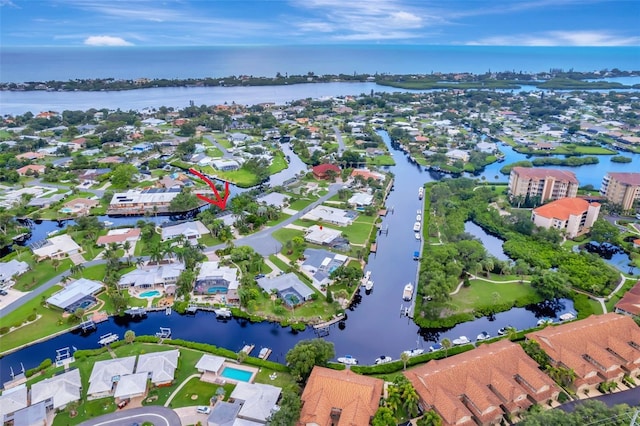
x=308 y=353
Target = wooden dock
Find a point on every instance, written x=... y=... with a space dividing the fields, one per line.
x=374 y=248
x=247 y=349
x=108 y=339
x=264 y=353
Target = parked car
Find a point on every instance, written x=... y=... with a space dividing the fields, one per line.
x=123 y=403
x=203 y=409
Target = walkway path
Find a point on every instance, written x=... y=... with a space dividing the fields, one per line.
x=175 y=392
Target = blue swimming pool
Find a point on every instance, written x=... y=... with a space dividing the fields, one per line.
x=213 y=290
x=236 y=374
x=152 y=293
x=66 y=210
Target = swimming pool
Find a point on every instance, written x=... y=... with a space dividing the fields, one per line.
x=66 y=210
x=236 y=374
x=152 y=293
x=212 y=290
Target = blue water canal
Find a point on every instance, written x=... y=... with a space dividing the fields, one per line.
x=374 y=325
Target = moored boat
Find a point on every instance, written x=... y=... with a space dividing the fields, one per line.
x=483 y=336
x=417 y=235
x=383 y=360
x=407 y=293
x=420 y=193
x=416 y=226
x=435 y=347
x=414 y=352
x=348 y=360
x=368 y=285
x=544 y=321
x=462 y=340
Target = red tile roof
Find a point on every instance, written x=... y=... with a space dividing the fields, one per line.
x=540 y=173
x=626 y=178
x=320 y=171
x=563 y=208
x=630 y=302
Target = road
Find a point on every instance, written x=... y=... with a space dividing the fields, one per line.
x=225 y=154
x=158 y=416
x=341 y=147
x=630 y=397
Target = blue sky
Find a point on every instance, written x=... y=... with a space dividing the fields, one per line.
x=292 y=22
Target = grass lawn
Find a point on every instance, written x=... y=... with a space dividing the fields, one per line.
x=611 y=303
x=358 y=232
x=95 y=272
x=596 y=307
x=301 y=203
x=381 y=160
x=87 y=244
x=279 y=263
x=131 y=301
x=40 y=273
x=209 y=240
x=214 y=152
x=222 y=140
x=203 y=392
x=283 y=216
x=86 y=411
x=481 y=294
x=279 y=163
x=142 y=247
x=241 y=177
x=285 y=234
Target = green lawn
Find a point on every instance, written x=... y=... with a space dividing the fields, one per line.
x=241 y=177
x=285 y=234
x=95 y=272
x=381 y=160
x=300 y=203
x=279 y=163
x=142 y=247
x=283 y=217
x=40 y=273
x=202 y=391
x=209 y=240
x=214 y=152
x=86 y=411
x=279 y=263
x=483 y=294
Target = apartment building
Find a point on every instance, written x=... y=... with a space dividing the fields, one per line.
x=621 y=188
x=543 y=184
x=573 y=215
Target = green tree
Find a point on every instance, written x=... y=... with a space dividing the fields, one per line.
x=184 y=201
x=551 y=285
x=446 y=345
x=308 y=353
x=603 y=231
x=129 y=336
x=384 y=417
x=430 y=418
x=289 y=411
x=122 y=176
x=404 y=357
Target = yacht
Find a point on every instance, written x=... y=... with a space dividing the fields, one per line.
x=435 y=347
x=414 y=352
x=348 y=359
x=369 y=285
x=416 y=226
x=483 y=336
x=418 y=217
x=366 y=278
x=383 y=360
x=420 y=193
x=417 y=236
x=462 y=340
x=504 y=330
x=407 y=294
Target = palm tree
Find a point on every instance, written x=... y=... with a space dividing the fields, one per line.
x=404 y=357
x=55 y=262
x=156 y=254
x=446 y=344
x=394 y=399
x=127 y=246
x=512 y=333
x=411 y=399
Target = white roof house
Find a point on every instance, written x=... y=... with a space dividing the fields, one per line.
x=106 y=373
x=11 y=269
x=150 y=276
x=288 y=286
x=12 y=400
x=74 y=292
x=331 y=215
x=321 y=235
x=212 y=274
x=210 y=363
x=273 y=199
x=160 y=366
x=57 y=247
x=59 y=390
x=361 y=199
x=259 y=400
x=191 y=230
x=131 y=385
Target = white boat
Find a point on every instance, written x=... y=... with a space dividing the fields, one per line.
x=544 y=321
x=418 y=211
x=504 y=330
x=420 y=193
x=414 y=352
x=348 y=359
x=383 y=360
x=417 y=235
x=366 y=278
x=407 y=293
x=368 y=285
x=435 y=347
x=264 y=353
x=107 y=223
x=418 y=218
x=462 y=340
x=416 y=226
x=567 y=317
x=483 y=336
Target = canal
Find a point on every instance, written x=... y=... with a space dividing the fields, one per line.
x=374 y=324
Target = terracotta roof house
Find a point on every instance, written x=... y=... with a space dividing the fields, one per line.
x=480 y=386
x=573 y=215
x=119 y=236
x=79 y=206
x=599 y=348
x=320 y=171
x=366 y=174
x=31 y=169
x=30 y=156
x=630 y=302
x=339 y=398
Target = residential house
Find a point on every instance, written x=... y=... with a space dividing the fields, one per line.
x=238 y=138
x=131 y=386
x=58 y=391
x=160 y=366
x=30 y=156
x=622 y=189
x=481 y=386
x=273 y=199
x=57 y=247
x=78 y=294
x=331 y=215
x=258 y=401
x=630 y=302
x=321 y=235
x=333 y=397
x=31 y=169
x=136 y=201
x=360 y=199
x=574 y=216
x=366 y=174
x=225 y=165
x=119 y=236
x=543 y=184
x=213 y=278
x=598 y=349
x=458 y=154
x=106 y=374
x=323 y=171
x=13 y=400
x=163 y=275
x=225 y=413
x=192 y=231
x=288 y=287
x=11 y=270
x=210 y=366
x=141 y=147
x=32 y=415
x=321 y=263
x=91 y=175
x=487 y=147
x=79 y=206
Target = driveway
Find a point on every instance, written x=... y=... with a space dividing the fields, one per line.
x=158 y=416
x=341 y=146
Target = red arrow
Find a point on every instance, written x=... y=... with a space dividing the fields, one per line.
x=220 y=201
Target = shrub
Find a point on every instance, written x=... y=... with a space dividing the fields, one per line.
x=4 y=330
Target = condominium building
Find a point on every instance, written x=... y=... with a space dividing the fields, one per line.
x=573 y=215
x=621 y=188
x=543 y=184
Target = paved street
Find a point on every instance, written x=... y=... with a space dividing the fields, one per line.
x=631 y=397
x=159 y=416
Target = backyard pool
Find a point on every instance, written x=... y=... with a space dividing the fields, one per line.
x=236 y=374
x=213 y=290
x=152 y=293
x=66 y=210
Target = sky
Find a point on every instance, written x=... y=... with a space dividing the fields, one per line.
x=304 y=22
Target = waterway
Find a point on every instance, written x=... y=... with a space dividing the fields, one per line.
x=374 y=324
x=492 y=244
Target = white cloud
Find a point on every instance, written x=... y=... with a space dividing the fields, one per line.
x=104 y=40
x=560 y=38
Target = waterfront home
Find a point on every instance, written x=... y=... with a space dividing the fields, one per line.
x=323 y=171
x=225 y=165
x=273 y=199
x=78 y=294
x=79 y=206
x=321 y=235
x=149 y=276
x=136 y=201
x=58 y=391
x=131 y=386
x=192 y=231
x=119 y=236
x=56 y=247
x=360 y=199
x=258 y=401
x=339 y=397
x=288 y=287
x=481 y=386
x=210 y=366
x=574 y=216
x=366 y=174
x=213 y=278
x=630 y=302
x=458 y=154
x=160 y=366
x=106 y=374
x=13 y=400
x=11 y=270
x=601 y=348
x=331 y=215
x=319 y=264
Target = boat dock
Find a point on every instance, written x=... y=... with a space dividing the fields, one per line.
x=264 y=353
x=374 y=248
x=164 y=333
x=136 y=312
x=107 y=339
x=247 y=349
x=223 y=313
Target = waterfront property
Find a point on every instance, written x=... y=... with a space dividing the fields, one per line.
x=622 y=189
x=360 y=199
x=136 y=201
x=213 y=278
x=13 y=400
x=192 y=231
x=331 y=215
x=598 y=349
x=574 y=216
x=58 y=391
x=150 y=276
x=321 y=263
x=339 y=397
x=11 y=270
x=161 y=366
x=288 y=287
x=119 y=236
x=131 y=386
x=105 y=375
x=56 y=247
x=481 y=386
x=321 y=235
x=542 y=184
x=324 y=171
x=630 y=302
x=210 y=367
x=79 y=206
x=78 y=294
x=258 y=401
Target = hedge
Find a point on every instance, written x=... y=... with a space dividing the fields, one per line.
x=43 y=366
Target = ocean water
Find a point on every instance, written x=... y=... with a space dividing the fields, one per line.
x=18 y=64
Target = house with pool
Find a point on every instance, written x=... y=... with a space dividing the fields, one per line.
x=79 y=294
x=215 y=279
x=288 y=287
x=153 y=278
